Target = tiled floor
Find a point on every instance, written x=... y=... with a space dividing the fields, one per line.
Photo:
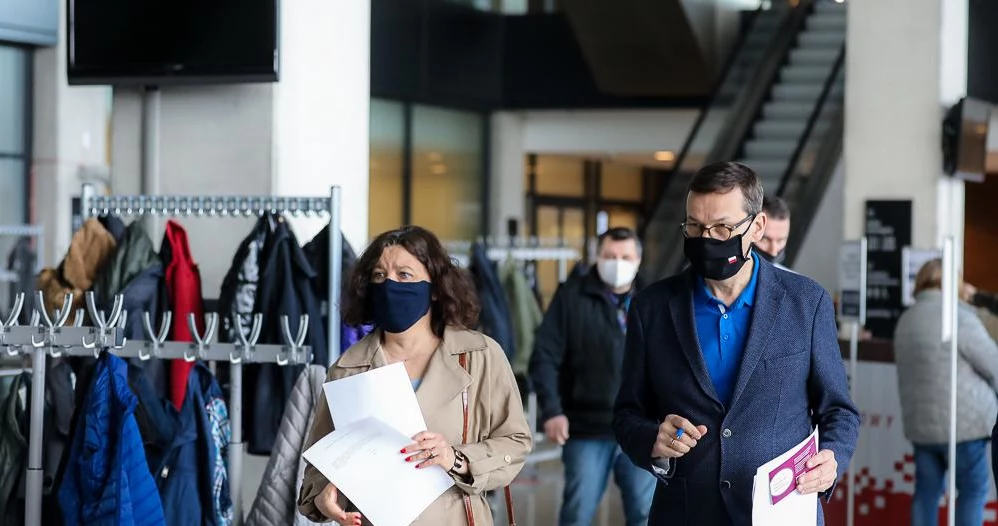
x=536 y=494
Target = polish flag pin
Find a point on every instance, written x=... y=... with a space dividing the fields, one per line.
x=732 y=260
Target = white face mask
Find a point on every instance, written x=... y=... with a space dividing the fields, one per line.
x=617 y=273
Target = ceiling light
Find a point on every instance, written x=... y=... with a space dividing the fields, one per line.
x=665 y=156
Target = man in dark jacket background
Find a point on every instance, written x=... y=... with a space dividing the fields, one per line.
x=575 y=369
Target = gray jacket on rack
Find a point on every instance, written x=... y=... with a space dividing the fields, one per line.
x=275 y=503
x=923 y=373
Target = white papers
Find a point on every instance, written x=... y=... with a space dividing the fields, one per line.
x=384 y=393
x=363 y=460
x=775 y=500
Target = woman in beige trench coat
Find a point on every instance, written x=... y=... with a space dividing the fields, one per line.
x=423 y=306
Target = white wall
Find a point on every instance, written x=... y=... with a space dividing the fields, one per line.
x=296 y=137
x=70 y=137
x=321 y=109
x=606 y=131
x=215 y=140
x=818 y=258
x=893 y=121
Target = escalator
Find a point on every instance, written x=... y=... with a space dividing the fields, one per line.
x=778 y=109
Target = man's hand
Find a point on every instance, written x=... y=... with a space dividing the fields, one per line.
x=821 y=475
x=556 y=429
x=667 y=445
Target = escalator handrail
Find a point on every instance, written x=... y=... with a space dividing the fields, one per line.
x=812 y=119
x=728 y=66
x=739 y=127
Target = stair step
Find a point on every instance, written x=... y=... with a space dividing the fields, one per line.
x=796 y=91
x=814 y=57
x=766 y=168
x=787 y=110
x=770 y=148
x=827 y=21
x=799 y=73
x=829 y=6
x=779 y=129
x=821 y=39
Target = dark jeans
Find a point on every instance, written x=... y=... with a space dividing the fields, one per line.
x=588 y=463
x=973 y=479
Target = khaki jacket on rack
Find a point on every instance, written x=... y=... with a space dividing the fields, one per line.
x=500 y=432
x=92 y=245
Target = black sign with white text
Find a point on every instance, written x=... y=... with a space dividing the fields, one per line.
x=888 y=230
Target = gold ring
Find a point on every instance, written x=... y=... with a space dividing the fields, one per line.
x=672 y=443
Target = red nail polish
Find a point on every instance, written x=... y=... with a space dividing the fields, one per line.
x=408 y=459
x=403 y=450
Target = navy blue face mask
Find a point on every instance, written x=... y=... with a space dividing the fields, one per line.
x=398 y=306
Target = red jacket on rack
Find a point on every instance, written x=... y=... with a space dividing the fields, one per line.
x=183 y=289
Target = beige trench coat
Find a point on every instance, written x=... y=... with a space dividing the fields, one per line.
x=497 y=429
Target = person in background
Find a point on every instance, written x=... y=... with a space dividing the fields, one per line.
x=924 y=387
x=773 y=244
x=730 y=364
x=575 y=370
x=423 y=307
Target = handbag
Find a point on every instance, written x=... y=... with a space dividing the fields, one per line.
x=463 y=359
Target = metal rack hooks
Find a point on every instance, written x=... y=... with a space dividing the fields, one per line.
x=206 y=206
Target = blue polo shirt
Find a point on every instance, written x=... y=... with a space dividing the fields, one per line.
x=722 y=331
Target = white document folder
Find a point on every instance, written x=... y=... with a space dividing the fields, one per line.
x=775 y=499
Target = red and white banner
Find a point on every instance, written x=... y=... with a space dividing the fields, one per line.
x=883 y=466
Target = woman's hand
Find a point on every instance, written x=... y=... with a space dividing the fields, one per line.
x=430 y=448
x=326 y=503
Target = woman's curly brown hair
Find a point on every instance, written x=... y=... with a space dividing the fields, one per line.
x=455 y=302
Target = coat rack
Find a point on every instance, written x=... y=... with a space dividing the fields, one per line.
x=48 y=335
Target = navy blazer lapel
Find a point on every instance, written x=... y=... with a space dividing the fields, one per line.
x=769 y=295
x=683 y=319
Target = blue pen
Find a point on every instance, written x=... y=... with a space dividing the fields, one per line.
x=679 y=433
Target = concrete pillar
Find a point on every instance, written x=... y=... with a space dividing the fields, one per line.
x=507 y=184
x=295 y=137
x=906 y=63
x=322 y=108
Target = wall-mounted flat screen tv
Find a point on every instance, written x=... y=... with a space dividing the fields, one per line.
x=161 y=42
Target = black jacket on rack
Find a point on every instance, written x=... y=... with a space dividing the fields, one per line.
x=22 y=260
x=285 y=286
x=135 y=271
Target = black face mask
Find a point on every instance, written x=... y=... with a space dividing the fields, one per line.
x=398 y=306
x=777 y=259
x=715 y=260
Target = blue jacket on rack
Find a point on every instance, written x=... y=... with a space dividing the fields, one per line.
x=496 y=320
x=191 y=474
x=107 y=480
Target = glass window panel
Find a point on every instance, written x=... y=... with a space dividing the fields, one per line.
x=13 y=199
x=387 y=151
x=13 y=100
x=622 y=217
x=447 y=178
x=561 y=176
x=621 y=181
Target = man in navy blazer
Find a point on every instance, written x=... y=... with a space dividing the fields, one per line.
x=739 y=355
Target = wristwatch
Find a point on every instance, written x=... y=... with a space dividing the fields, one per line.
x=459 y=460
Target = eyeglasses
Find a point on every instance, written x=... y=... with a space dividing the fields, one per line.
x=718 y=232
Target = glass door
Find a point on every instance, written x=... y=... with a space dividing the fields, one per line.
x=554 y=222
